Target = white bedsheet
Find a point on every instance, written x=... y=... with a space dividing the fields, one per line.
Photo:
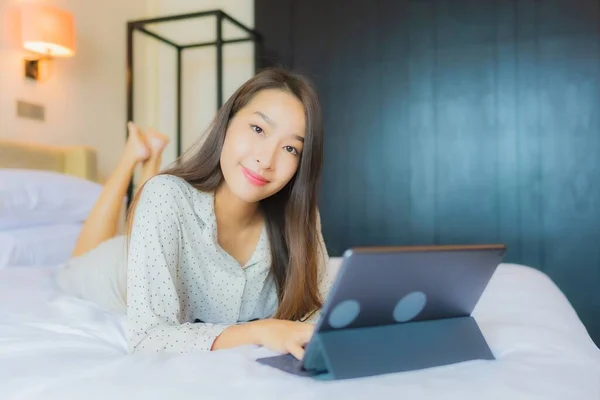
x=57 y=347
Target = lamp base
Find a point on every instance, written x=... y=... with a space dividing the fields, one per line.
x=32 y=69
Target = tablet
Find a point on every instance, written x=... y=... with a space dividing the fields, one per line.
x=379 y=286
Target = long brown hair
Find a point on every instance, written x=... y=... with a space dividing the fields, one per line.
x=291 y=213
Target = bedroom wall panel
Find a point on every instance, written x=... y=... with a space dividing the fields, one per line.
x=457 y=121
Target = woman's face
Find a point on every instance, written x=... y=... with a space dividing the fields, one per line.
x=263 y=145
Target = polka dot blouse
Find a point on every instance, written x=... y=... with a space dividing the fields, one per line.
x=183 y=289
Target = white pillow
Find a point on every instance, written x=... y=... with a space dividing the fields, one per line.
x=34 y=198
x=49 y=245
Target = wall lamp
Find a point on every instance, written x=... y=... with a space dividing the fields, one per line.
x=48 y=32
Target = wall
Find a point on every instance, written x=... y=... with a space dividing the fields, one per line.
x=85 y=95
x=157 y=107
x=452 y=122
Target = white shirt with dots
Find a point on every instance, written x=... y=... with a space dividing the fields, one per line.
x=178 y=274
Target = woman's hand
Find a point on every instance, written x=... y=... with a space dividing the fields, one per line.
x=283 y=336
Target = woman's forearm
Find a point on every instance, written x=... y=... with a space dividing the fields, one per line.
x=238 y=335
x=277 y=335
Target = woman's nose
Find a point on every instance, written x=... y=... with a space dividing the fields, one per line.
x=266 y=155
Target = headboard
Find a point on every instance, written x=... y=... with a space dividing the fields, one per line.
x=72 y=160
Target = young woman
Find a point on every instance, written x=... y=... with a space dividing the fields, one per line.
x=225 y=247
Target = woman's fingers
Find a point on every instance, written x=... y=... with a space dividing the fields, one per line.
x=295 y=349
x=295 y=346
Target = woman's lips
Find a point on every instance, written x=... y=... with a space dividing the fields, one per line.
x=253 y=177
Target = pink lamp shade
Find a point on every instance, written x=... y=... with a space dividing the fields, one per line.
x=47 y=30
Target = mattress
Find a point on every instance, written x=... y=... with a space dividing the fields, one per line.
x=57 y=347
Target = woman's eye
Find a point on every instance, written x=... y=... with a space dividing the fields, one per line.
x=291 y=150
x=257 y=129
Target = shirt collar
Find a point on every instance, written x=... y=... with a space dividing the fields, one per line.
x=206 y=210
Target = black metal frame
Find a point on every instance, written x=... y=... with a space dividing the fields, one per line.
x=140 y=26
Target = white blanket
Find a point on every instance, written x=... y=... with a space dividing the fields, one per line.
x=56 y=347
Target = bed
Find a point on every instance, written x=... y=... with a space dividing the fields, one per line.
x=53 y=346
x=46 y=192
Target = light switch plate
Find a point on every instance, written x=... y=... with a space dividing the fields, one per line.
x=30 y=110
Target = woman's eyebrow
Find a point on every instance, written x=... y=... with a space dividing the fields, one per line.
x=267 y=119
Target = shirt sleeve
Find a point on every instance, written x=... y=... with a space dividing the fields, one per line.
x=325 y=275
x=153 y=304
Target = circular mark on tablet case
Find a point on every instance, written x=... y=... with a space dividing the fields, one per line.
x=410 y=306
x=344 y=313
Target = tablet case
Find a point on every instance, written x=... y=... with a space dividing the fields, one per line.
x=368 y=351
